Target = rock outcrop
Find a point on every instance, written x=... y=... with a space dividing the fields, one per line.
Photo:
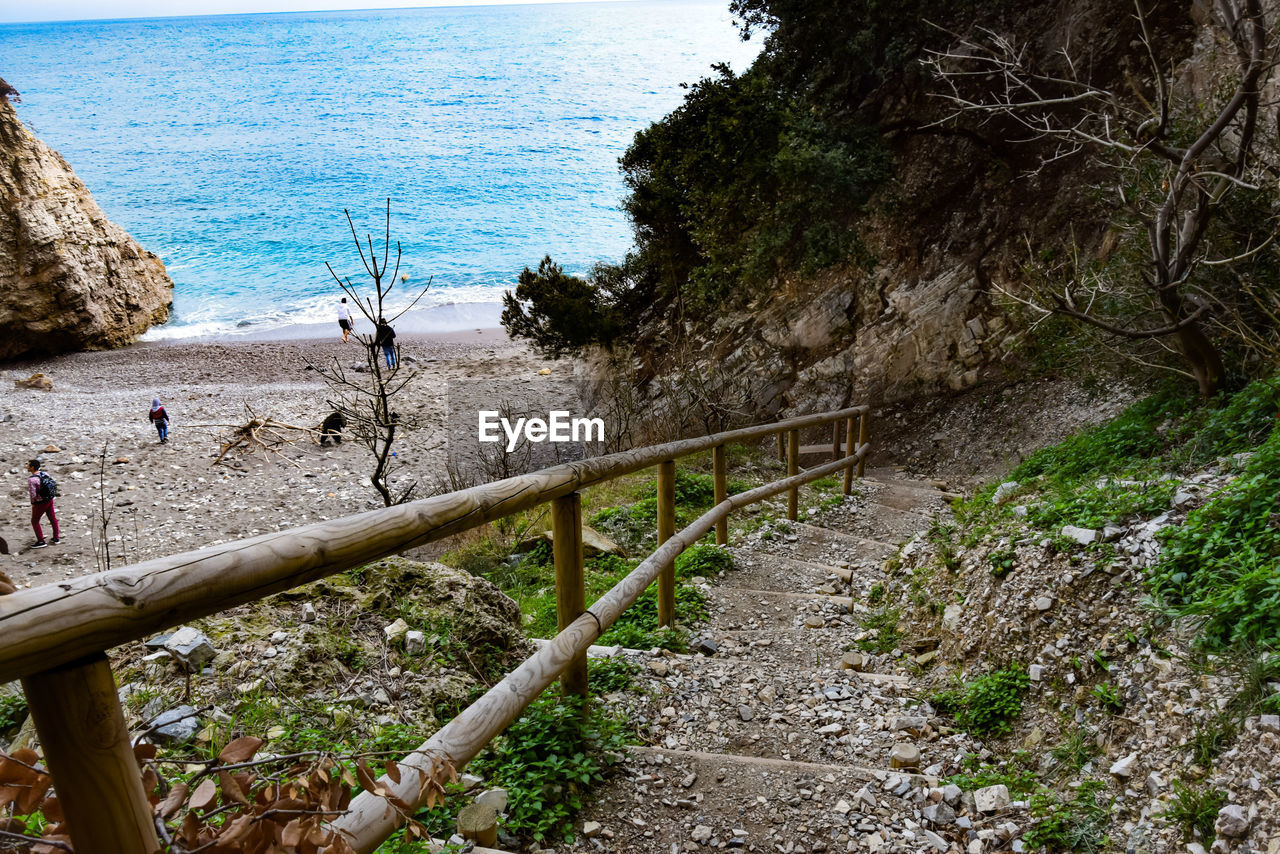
x=69 y=278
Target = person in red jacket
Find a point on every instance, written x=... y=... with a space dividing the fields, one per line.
x=160 y=418
x=40 y=506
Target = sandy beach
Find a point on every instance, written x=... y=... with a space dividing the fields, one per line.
x=167 y=499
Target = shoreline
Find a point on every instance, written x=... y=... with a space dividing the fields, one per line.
x=437 y=321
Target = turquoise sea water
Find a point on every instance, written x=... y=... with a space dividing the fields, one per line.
x=229 y=145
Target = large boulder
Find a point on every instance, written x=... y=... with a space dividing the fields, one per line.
x=69 y=278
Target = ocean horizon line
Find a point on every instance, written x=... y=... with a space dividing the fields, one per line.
x=489 y=4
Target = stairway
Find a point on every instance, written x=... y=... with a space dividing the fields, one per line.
x=769 y=744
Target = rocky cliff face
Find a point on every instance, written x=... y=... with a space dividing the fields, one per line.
x=958 y=224
x=69 y=278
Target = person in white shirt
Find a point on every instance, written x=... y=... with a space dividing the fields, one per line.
x=344 y=320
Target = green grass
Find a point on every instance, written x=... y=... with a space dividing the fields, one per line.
x=884 y=622
x=1223 y=565
x=1194 y=809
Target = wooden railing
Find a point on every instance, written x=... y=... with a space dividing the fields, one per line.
x=54 y=637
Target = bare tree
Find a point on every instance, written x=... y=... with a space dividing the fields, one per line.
x=364 y=395
x=1174 y=155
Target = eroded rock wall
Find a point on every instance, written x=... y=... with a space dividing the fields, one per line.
x=955 y=230
x=70 y=279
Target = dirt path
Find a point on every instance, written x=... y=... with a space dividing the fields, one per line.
x=770 y=744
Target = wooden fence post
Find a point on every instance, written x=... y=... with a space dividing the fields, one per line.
x=851 y=448
x=86 y=748
x=782 y=448
x=566 y=550
x=666 y=530
x=720 y=485
x=835 y=439
x=793 y=469
x=864 y=436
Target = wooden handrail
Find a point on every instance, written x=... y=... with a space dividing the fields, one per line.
x=43 y=627
x=370 y=819
x=54 y=636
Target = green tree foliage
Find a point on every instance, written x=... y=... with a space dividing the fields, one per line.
x=766 y=172
x=561 y=314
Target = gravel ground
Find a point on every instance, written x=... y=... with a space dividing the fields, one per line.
x=169 y=498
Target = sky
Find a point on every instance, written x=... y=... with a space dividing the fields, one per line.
x=13 y=11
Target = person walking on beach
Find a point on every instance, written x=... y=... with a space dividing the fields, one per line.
x=160 y=418
x=344 y=320
x=386 y=338
x=41 y=490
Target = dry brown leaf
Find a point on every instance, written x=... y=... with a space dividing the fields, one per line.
x=17 y=771
x=205 y=795
x=293 y=834
x=143 y=752
x=231 y=789
x=29 y=800
x=191 y=827
x=241 y=750
x=52 y=810
x=173 y=802
x=235 y=830
x=393 y=771
x=150 y=780
x=365 y=775
x=339 y=845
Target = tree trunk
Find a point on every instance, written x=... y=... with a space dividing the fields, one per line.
x=1202 y=357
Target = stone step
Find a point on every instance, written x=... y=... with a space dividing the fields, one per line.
x=782 y=594
x=789 y=766
x=845 y=536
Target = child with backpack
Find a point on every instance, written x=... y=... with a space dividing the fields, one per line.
x=160 y=418
x=42 y=490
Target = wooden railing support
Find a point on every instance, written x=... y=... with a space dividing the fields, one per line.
x=86 y=748
x=793 y=468
x=850 y=450
x=835 y=439
x=720 y=487
x=666 y=529
x=571 y=598
x=864 y=436
x=782 y=448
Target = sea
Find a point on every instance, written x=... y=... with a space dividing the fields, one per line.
x=232 y=145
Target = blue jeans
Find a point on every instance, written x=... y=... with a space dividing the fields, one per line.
x=162 y=427
x=389 y=353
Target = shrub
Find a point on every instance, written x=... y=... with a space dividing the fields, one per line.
x=549 y=760
x=1078 y=824
x=13 y=711
x=1224 y=563
x=703 y=559
x=638 y=628
x=987 y=705
x=694 y=490
x=884 y=623
x=560 y=314
x=611 y=674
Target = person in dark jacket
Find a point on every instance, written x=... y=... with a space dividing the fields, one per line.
x=385 y=337
x=160 y=418
x=40 y=506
